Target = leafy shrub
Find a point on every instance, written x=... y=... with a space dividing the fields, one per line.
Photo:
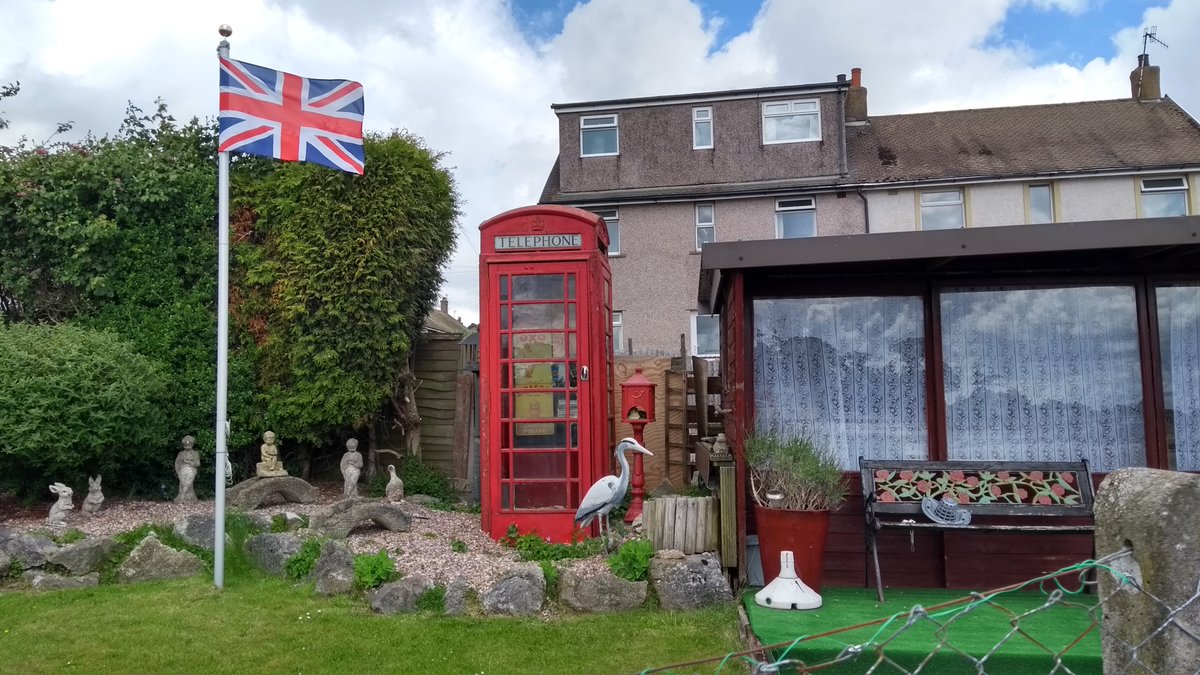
x=632 y=561
x=532 y=547
x=371 y=571
x=433 y=600
x=377 y=486
x=71 y=536
x=302 y=564
x=458 y=546
x=551 y=573
x=279 y=523
x=422 y=479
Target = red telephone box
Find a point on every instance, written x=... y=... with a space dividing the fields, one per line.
x=545 y=359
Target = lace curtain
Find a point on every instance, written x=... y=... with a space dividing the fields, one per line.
x=848 y=373
x=1179 y=337
x=1044 y=374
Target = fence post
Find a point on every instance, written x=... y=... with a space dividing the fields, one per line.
x=1150 y=628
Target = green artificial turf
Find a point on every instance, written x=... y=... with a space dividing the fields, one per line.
x=1064 y=628
x=262 y=625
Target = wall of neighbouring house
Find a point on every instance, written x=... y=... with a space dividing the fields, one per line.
x=997 y=204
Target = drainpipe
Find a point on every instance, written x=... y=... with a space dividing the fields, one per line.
x=842 y=164
x=866 y=211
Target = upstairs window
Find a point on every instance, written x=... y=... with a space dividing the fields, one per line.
x=942 y=210
x=791 y=121
x=614 y=229
x=702 y=128
x=1041 y=204
x=706 y=334
x=618 y=333
x=795 y=218
x=598 y=136
x=1162 y=197
x=706 y=225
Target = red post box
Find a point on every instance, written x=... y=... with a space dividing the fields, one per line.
x=637 y=408
x=545 y=358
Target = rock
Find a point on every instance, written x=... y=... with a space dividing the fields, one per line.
x=519 y=592
x=6 y=533
x=5 y=562
x=670 y=554
x=272 y=551
x=423 y=500
x=260 y=520
x=335 y=570
x=693 y=582
x=30 y=550
x=294 y=521
x=602 y=592
x=456 y=603
x=252 y=492
x=197 y=530
x=44 y=581
x=152 y=560
x=399 y=596
x=341 y=517
x=84 y=556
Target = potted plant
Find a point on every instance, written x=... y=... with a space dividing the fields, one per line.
x=795 y=486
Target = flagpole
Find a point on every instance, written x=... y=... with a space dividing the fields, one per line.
x=221 y=455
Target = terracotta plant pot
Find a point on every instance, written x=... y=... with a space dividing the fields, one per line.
x=801 y=532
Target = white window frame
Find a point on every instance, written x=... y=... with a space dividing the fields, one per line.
x=794 y=204
x=1180 y=186
x=1050 y=189
x=791 y=111
x=703 y=116
x=961 y=204
x=611 y=218
x=618 y=332
x=614 y=125
x=710 y=225
x=695 y=335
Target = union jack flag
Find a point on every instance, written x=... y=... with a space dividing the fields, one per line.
x=296 y=119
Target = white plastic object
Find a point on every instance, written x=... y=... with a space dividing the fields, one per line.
x=787 y=591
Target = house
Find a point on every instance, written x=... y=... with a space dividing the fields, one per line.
x=672 y=173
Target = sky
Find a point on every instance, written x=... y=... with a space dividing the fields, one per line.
x=475 y=78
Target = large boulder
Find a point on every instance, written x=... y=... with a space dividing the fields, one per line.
x=6 y=533
x=44 y=581
x=5 y=563
x=399 y=596
x=152 y=560
x=689 y=582
x=341 y=517
x=30 y=550
x=599 y=591
x=252 y=492
x=272 y=551
x=456 y=603
x=335 y=570
x=197 y=530
x=519 y=592
x=85 y=556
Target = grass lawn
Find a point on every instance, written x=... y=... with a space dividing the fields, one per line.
x=263 y=625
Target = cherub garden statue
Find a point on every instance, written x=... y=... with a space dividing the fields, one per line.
x=352 y=464
x=187 y=464
x=58 y=512
x=270 y=464
x=94 y=498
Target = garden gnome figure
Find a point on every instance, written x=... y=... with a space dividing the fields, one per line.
x=352 y=464
x=58 y=512
x=395 y=486
x=94 y=498
x=270 y=464
x=187 y=464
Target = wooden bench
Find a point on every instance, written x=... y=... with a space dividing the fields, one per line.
x=893 y=491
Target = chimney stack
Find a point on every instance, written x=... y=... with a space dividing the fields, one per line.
x=856 y=98
x=445 y=304
x=1144 y=80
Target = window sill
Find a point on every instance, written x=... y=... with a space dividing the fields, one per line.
x=616 y=255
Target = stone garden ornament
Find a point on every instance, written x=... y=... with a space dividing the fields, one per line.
x=395 y=486
x=352 y=464
x=58 y=512
x=270 y=465
x=187 y=464
x=94 y=498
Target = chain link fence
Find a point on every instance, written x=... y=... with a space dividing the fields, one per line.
x=1138 y=632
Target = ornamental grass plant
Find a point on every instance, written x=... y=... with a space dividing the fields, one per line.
x=795 y=473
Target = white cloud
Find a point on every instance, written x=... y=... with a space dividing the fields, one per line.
x=460 y=74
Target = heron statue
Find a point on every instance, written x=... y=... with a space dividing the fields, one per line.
x=608 y=492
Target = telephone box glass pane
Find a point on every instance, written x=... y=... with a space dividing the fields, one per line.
x=537 y=287
x=539 y=406
x=504 y=347
x=539 y=434
x=570 y=286
x=539 y=465
x=571 y=348
x=540 y=495
x=539 y=376
x=528 y=317
x=538 y=346
x=504 y=318
x=571 y=315
x=503 y=288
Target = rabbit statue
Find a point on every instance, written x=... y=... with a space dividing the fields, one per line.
x=58 y=512
x=94 y=498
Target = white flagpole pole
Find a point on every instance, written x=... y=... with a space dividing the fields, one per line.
x=221 y=455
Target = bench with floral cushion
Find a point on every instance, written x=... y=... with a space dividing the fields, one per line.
x=894 y=490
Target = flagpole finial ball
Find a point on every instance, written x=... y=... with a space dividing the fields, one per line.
x=225 y=30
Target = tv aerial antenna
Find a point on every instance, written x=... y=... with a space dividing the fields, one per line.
x=1151 y=35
